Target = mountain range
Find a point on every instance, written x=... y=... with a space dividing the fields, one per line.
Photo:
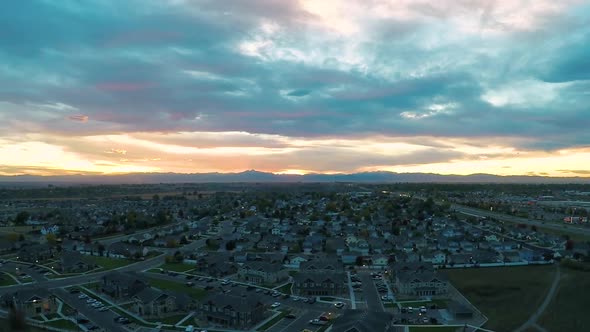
x=257 y=176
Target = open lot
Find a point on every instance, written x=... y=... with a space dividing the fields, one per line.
x=507 y=296
x=569 y=309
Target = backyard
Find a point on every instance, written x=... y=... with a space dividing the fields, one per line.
x=507 y=296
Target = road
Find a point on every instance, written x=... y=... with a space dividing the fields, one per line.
x=91 y=277
x=370 y=294
x=102 y=319
x=550 y=295
x=518 y=220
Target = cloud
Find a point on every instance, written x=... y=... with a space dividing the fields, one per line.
x=78 y=118
x=260 y=74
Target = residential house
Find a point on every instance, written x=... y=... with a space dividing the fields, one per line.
x=231 y=311
x=260 y=272
x=419 y=279
x=122 y=285
x=36 y=253
x=152 y=302
x=31 y=302
x=319 y=283
x=74 y=262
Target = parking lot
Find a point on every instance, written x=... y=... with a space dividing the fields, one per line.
x=104 y=319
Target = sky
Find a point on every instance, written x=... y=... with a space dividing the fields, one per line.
x=287 y=86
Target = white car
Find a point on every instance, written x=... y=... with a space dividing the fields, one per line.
x=275 y=305
x=386 y=298
x=225 y=282
x=316 y=321
x=82 y=296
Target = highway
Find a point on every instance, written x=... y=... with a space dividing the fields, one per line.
x=517 y=220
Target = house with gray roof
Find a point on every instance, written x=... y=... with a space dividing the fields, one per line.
x=231 y=311
x=363 y=321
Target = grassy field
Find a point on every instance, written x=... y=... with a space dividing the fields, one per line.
x=109 y=263
x=64 y=324
x=177 y=267
x=507 y=296
x=569 y=309
x=6 y=280
x=285 y=288
x=196 y=293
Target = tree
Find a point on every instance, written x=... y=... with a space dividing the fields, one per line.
x=358 y=261
x=16 y=321
x=230 y=245
x=569 y=245
x=171 y=243
x=101 y=249
x=22 y=217
x=51 y=238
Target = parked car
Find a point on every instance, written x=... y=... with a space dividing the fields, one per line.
x=316 y=321
x=339 y=304
x=275 y=305
x=290 y=316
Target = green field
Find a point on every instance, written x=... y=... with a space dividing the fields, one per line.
x=507 y=295
x=196 y=293
x=569 y=309
x=109 y=263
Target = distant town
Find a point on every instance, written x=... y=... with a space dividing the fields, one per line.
x=342 y=257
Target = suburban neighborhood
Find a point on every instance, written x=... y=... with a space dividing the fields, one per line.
x=339 y=259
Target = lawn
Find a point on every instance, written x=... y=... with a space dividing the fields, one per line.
x=273 y=321
x=433 y=329
x=195 y=292
x=177 y=267
x=110 y=263
x=64 y=324
x=6 y=280
x=569 y=309
x=506 y=295
x=285 y=288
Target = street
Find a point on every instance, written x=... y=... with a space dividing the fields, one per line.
x=370 y=294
